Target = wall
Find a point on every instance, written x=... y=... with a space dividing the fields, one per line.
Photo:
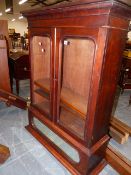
x=4 y=28
x=129 y=35
x=20 y=27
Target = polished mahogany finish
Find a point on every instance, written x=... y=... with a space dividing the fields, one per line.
x=75 y=56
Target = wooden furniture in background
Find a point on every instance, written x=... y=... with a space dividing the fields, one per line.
x=4 y=153
x=118 y=161
x=116 y=122
x=4 y=32
x=5 y=88
x=19 y=68
x=118 y=132
x=125 y=74
x=130 y=100
x=75 y=62
x=114 y=157
x=4 y=71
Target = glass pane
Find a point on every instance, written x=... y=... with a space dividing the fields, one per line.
x=65 y=147
x=75 y=83
x=41 y=73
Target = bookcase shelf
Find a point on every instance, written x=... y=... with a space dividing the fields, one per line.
x=43 y=107
x=73 y=123
x=69 y=100
x=73 y=102
x=44 y=84
x=42 y=93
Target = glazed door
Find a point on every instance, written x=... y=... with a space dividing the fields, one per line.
x=76 y=65
x=41 y=73
x=5 y=89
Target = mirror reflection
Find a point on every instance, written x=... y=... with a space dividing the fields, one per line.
x=18 y=61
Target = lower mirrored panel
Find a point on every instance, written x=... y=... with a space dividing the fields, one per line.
x=58 y=141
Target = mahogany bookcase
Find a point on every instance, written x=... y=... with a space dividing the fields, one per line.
x=75 y=56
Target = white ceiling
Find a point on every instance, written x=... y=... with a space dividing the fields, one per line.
x=16 y=10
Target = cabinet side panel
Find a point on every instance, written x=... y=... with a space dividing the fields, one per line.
x=109 y=80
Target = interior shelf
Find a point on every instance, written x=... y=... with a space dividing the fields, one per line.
x=73 y=102
x=72 y=122
x=43 y=107
x=44 y=84
x=43 y=93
